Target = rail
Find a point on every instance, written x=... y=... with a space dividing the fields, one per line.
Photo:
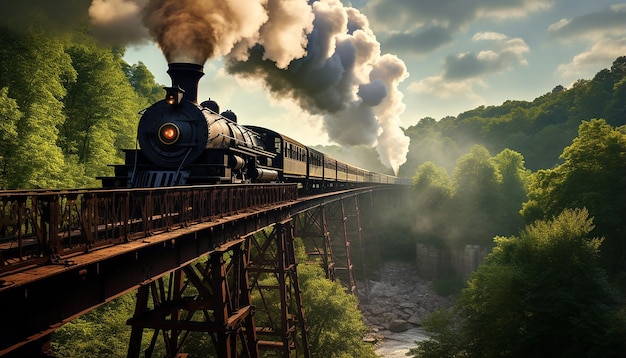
x=43 y=227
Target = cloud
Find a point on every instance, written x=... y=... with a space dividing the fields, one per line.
x=599 y=55
x=420 y=26
x=435 y=93
x=464 y=72
x=609 y=22
x=507 y=54
x=438 y=86
x=417 y=42
x=605 y=33
x=411 y=14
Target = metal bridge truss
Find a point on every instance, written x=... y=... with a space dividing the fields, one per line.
x=331 y=230
x=196 y=258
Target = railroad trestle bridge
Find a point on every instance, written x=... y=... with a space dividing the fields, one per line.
x=64 y=253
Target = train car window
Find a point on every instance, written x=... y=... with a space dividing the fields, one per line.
x=277 y=145
x=315 y=159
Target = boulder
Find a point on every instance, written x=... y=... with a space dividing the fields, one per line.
x=398 y=326
x=415 y=320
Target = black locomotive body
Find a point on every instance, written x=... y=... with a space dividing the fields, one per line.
x=185 y=143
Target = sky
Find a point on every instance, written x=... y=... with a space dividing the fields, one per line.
x=357 y=72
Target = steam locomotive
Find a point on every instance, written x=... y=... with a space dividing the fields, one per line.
x=185 y=143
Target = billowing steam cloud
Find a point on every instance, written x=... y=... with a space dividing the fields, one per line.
x=196 y=30
x=345 y=78
x=320 y=53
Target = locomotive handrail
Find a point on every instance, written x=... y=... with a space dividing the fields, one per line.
x=44 y=226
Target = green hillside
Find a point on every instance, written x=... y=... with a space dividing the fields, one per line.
x=539 y=130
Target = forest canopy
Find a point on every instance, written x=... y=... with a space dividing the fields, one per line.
x=69 y=106
x=538 y=130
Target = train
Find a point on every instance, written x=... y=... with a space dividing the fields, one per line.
x=183 y=142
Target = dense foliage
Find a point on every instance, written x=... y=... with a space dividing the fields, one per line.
x=556 y=289
x=546 y=292
x=102 y=332
x=540 y=294
x=592 y=176
x=482 y=198
x=68 y=107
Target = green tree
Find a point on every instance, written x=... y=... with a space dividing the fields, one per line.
x=101 y=109
x=476 y=186
x=433 y=184
x=143 y=82
x=512 y=190
x=592 y=177
x=335 y=324
x=433 y=189
x=542 y=294
x=446 y=340
x=35 y=68
x=102 y=332
x=539 y=130
x=9 y=116
x=482 y=199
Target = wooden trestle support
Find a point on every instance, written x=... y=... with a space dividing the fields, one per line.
x=211 y=297
x=327 y=231
x=273 y=271
x=214 y=296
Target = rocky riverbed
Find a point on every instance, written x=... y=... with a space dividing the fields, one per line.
x=396 y=306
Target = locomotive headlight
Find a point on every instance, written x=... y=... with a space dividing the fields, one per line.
x=169 y=133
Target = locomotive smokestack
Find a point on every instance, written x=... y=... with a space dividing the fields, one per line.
x=186 y=76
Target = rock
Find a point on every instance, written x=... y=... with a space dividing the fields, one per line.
x=390 y=316
x=377 y=310
x=370 y=338
x=415 y=320
x=377 y=288
x=398 y=326
x=399 y=300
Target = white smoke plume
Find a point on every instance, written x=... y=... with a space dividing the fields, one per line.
x=320 y=53
x=344 y=77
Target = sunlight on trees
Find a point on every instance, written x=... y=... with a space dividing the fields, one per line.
x=480 y=200
x=68 y=109
x=591 y=177
x=541 y=294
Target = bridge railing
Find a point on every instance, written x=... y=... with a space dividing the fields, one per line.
x=40 y=227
